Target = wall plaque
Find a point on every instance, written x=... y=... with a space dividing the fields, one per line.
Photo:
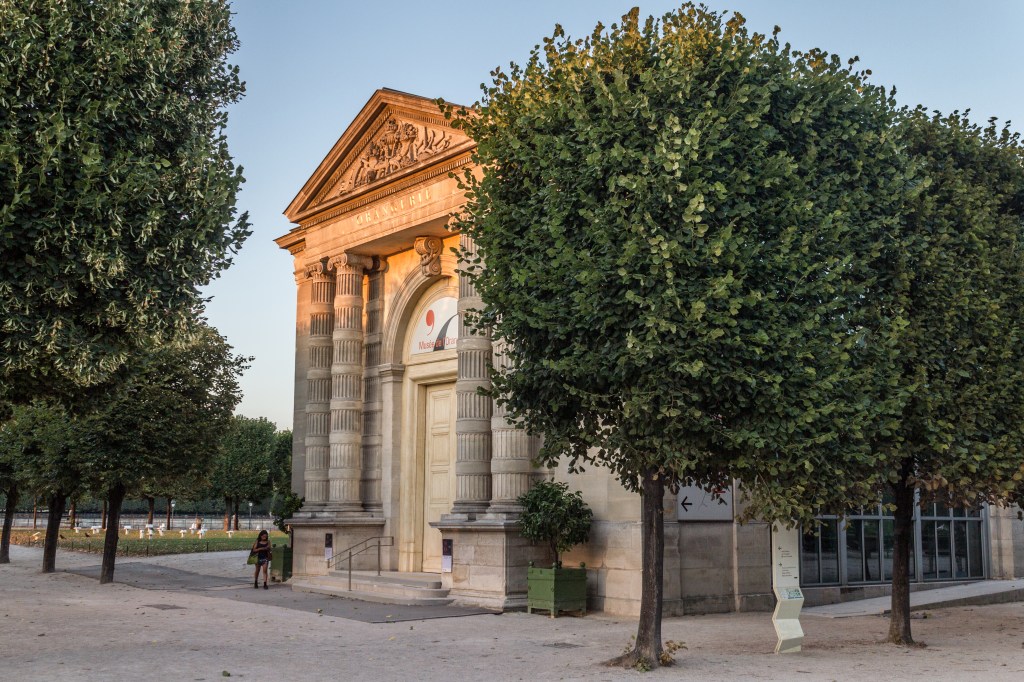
x=446 y=555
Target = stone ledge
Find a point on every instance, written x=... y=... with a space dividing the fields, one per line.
x=477 y=525
x=336 y=521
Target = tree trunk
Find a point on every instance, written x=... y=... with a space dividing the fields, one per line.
x=53 y=517
x=647 y=653
x=237 y=502
x=103 y=517
x=170 y=510
x=115 y=496
x=35 y=513
x=73 y=513
x=903 y=539
x=152 y=510
x=5 y=539
x=227 y=513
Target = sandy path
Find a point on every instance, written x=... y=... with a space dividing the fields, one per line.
x=66 y=626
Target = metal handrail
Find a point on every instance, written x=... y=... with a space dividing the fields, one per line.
x=358 y=548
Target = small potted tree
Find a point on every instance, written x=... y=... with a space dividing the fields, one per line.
x=553 y=515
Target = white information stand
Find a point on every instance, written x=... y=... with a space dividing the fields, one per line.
x=786 y=584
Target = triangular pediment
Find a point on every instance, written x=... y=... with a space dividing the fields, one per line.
x=395 y=135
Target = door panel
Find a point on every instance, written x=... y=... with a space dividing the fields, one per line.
x=438 y=468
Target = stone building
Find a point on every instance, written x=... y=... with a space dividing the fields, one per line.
x=392 y=439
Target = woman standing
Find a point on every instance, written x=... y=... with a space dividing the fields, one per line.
x=262 y=551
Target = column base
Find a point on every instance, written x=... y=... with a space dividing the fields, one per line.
x=467 y=511
x=506 y=510
x=345 y=510
x=309 y=510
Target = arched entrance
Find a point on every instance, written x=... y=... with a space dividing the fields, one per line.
x=428 y=426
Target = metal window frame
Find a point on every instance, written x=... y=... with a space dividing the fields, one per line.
x=981 y=522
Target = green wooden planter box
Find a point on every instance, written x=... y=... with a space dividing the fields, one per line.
x=556 y=589
x=281 y=563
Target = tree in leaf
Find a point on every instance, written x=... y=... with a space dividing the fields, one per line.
x=677 y=228
x=162 y=421
x=282 y=498
x=960 y=284
x=246 y=464
x=40 y=441
x=9 y=484
x=117 y=191
x=553 y=515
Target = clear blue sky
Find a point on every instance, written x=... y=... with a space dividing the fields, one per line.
x=310 y=65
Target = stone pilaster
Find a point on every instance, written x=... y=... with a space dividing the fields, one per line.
x=512 y=454
x=373 y=406
x=318 y=386
x=302 y=299
x=346 y=406
x=473 y=411
x=391 y=382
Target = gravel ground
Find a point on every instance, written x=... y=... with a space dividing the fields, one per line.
x=65 y=626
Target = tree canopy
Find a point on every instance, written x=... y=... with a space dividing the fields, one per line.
x=248 y=463
x=959 y=439
x=38 y=448
x=555 y=516
x=117 y=191
x=679 y=226
x=162 y=421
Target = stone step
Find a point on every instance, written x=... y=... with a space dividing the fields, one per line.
x=376 y=597
x=390 y=588
x=421 y=580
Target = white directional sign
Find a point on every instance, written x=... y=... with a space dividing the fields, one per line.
x=786 y=585
x=693 y=503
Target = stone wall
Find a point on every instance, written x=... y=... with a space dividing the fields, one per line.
x=308 y=547
x=710 y=566
x=1006 y=543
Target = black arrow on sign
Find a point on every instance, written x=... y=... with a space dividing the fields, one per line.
x=686 y=505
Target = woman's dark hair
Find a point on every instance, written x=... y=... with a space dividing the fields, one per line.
x=262 y=533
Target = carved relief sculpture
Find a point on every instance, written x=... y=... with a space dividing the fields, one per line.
x=429 y=249
x=400 y=144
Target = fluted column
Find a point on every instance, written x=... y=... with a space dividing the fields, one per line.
x=346 y=406
x=512 y=454
x=473 y=411
x=318 y=381
x=373 y=405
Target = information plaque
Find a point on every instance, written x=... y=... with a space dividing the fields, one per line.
x=446 y=555
x=786 y=584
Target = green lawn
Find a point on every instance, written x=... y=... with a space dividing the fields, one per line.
x=133 y=545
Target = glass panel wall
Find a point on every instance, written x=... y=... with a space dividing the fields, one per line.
x=829 y=537
x=819 y=553
x=859 y=549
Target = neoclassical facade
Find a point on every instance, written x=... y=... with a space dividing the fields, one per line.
x=392 y=438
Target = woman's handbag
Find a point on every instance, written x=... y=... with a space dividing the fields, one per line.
x=252 y=559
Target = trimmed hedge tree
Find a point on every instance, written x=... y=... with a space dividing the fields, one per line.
x=681 y=223
x=553 y=515
x=117 y=191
